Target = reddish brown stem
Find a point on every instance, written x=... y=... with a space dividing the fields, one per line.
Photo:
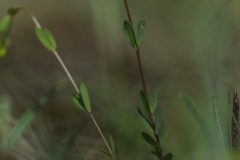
x=141 y=72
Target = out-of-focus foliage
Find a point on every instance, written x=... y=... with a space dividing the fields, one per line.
x=187 y=45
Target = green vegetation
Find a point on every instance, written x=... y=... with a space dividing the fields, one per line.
x=150 y=112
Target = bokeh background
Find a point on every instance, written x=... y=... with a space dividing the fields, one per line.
x=186 y=46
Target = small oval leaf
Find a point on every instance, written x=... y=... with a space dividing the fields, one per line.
x=78 y=101
x=158 y=120
x=141 y=25
x=162 y=134
x=46 y=38
x=104 y=152
x=168 y=156
x=129 y=33
x=144 y=102
x=150 y=140
x=153 y=100
x=112 y=145
x=3 y=51
x=85 y=97
x=5 y=22
x=145 y=120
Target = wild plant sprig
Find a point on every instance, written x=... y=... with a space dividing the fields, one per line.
x=49 y=43
x=148 y=105
x=137 y=52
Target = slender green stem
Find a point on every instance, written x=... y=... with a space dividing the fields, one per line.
x=141 y=72
x=66 y=70
x=71 y=79
x=100 y=132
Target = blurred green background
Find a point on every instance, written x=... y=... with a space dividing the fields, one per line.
x=186 y=46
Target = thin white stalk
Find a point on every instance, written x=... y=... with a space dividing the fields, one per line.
x=32 y=16
x=66 y=70
x=71 y=79
x=99 y=130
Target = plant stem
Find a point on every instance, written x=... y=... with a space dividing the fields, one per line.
x=137 y=53
x=128 y=11
x=160 y=154
x=100 y=132
x=32 y=16
x=66 y=70
x=71 y=79
x=141 y=72
x=92 y=117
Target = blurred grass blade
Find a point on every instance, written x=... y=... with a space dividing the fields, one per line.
x=78 y=101
x=5 y=114
x=104 y=152
x=158 y=120
x=62 y=150
x=150 y=140
x=144 y=102
x=145 y=120
x=112 y=145
x=201 y=122
x=85 y=97
x=129 y=33
x=26 y=119
x=46 y=38
x=168 y=156
x=153 y=100
x=219 y=128
x=221 y=92
x=5 y=22
x=141 y=25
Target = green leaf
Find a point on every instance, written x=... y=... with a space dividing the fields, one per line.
x=145 y=120
x=112 y=145
x=144 y=102
x=150 y=140
x=129 y=33
x=4 y=44
x=141 y=25
x=5 y=22
x=153 y=100
x=85 y=97
x=106 y=153
x=162 y=134
x=158 y=120
x=46 y=38
x=3 y=51
x=168 y=156
x=25 y=120
x=78 y=101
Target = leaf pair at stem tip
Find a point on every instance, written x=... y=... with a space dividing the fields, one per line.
x=130 y=35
